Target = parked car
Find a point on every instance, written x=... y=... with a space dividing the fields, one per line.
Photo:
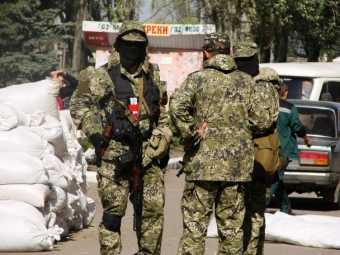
x=310 y=81
x=318 y=167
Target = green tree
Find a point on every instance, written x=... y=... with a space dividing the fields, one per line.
x=271 y=22
x=316 y=23
x=27 y=36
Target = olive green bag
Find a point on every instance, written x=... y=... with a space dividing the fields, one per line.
x=267 y=152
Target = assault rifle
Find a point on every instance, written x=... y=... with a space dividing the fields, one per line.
x=129 y=163
x=136 y=180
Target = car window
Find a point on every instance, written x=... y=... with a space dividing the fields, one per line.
x=330 y=91
x=318 y=121
x=298 y=88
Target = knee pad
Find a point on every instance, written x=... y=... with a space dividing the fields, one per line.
x=112 y=222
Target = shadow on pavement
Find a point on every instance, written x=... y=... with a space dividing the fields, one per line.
x=308 y=204
x=312 y=204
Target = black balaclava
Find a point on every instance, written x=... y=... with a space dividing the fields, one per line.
x=248 y=65
x=131 y=53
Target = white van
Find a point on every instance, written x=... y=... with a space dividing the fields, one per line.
x=310 y=81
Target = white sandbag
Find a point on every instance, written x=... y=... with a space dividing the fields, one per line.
x=22 y=139
x=72 y=216
x=73 y=146
x=91 y=211
x=23 y=228
x=34 y=119
x=50 y=218
x=58 y=172
x=74 y=159
x=54 y=136
x=57 y=200
x=67 y=122
x=30 y=97
x=33 y=194
x=26 y=210
x=52 y=130
x=11 y=118
x=62 y=224
x=305 y=230
x=21 y=168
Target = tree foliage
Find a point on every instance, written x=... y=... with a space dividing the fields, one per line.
x=31 y=31
x=316 y=23
x=27 y=33
x=304 y=28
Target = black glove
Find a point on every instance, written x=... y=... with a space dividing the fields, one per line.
x=99 y=143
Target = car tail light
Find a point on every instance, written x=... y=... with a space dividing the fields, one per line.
x=317 y=158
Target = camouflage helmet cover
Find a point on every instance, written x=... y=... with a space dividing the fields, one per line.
x=216 y=42
x=245 y=49
x=132 y=31
x=269 y=74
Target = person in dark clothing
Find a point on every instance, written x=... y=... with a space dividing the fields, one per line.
x=68 y=85
x=289 y=127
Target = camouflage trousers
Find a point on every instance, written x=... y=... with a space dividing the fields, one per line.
x=114 y=194
x=254 y=225
x=198 y=200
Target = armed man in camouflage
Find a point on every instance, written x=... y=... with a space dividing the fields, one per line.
x=245 y=53
x=215 y=110
x=120 y=108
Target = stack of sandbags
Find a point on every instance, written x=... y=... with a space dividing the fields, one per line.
x=42 y=170
x=307 y=230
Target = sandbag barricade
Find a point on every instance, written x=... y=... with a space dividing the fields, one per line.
x=317 y=231
x=42 y=170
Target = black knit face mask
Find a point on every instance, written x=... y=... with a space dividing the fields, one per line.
x=131 y=53
x=248 y=65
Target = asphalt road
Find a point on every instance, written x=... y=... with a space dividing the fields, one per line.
x=85 y=242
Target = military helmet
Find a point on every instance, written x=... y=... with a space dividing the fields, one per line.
x=245 y=49
x=269 y=74
x=132 y=31
x=216 y=42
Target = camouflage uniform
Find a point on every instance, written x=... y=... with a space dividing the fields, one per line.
x=254 y=227
x=89 y=107
x=216 y=173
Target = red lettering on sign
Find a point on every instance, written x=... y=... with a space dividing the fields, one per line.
x=147 y=29
x=157 y=29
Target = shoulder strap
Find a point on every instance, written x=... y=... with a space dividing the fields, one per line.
x=141 y=96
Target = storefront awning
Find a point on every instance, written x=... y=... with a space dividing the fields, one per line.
x=169 y=36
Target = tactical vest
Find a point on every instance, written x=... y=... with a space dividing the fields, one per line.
x=123 y=92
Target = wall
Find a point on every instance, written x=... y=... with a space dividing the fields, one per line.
x=175 y=65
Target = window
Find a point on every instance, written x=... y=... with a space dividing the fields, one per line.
x=298 y=88
x=317 y=121
x=330 y=91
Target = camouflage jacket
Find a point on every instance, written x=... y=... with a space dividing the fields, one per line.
x=89 y=114
x=267 y=95
x=226 y=99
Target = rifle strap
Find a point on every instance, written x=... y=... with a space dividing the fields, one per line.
x=141 y=96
